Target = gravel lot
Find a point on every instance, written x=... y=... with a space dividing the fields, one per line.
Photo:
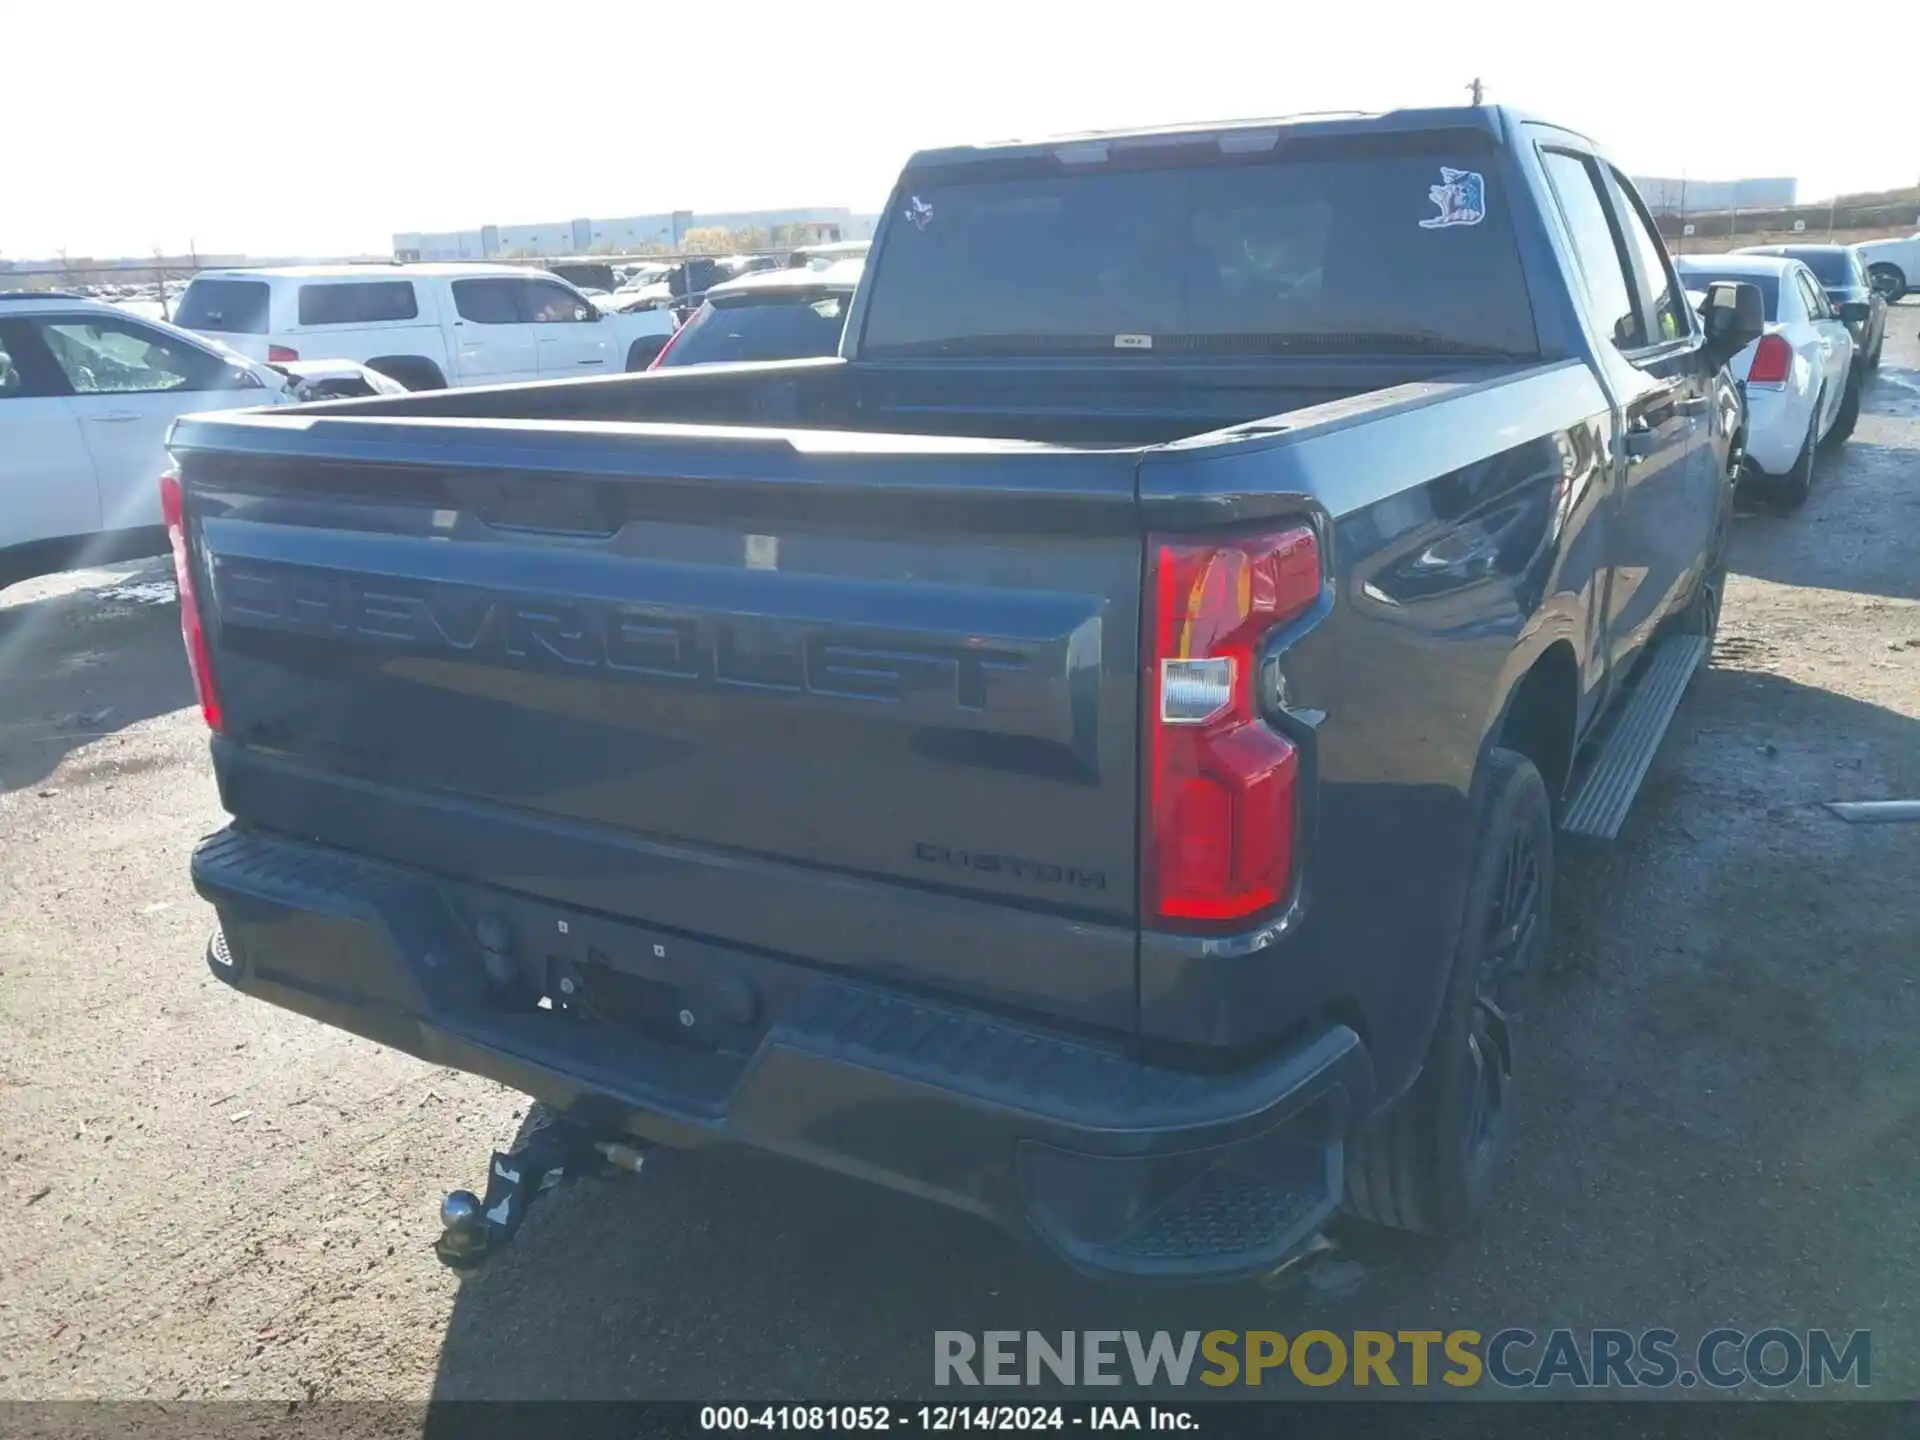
x=208 y=1197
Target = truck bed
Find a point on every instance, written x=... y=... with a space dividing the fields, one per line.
x=1081 y=405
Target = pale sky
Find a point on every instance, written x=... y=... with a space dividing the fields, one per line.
x=321 y=127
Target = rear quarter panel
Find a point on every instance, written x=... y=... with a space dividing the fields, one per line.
x=1462 y=523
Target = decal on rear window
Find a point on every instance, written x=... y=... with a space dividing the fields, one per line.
x=1461 y=196
x=919 y=212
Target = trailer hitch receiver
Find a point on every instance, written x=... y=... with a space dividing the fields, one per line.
x=473 y=1230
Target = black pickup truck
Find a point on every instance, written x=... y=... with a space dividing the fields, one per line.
x=1090 y=754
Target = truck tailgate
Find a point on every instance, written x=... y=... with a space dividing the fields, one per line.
x=866 y=701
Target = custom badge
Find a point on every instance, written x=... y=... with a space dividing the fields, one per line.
x=920 y=212
x=1461 y=196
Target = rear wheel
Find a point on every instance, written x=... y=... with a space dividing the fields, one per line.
x=1428 y=1163
x=1889 y=280
x=1702 y=615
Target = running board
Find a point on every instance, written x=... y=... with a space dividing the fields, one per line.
x=1599 y=807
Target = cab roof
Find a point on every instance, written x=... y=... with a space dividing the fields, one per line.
x=377 y=271
x=1245 y=135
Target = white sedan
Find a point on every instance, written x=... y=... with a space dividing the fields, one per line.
x=87 y=395
x=1801 y=383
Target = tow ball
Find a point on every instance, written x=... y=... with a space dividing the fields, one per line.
x=474 y=1230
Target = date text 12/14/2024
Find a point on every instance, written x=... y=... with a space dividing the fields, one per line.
x=938 y=1419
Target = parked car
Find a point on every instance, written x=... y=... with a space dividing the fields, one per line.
x=1892 y=265
x=1802 y=386
x=656 y=296
x=428 y=326
x=766 y=315
x=646 y=272
x=87 y=395
x=1089 y=754
x=1843 y=276
x=835 y=252
x=585 y=275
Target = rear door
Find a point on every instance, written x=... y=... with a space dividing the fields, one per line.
x=494 y=342
x=47 y=485
x=1829 y=344
x=127 y=383
x=1653 y=378
x=235 y=311
x=1687 y=512
x=571 y=335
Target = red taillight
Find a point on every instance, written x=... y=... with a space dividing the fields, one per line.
x=281 y=355
x=674 y=339
x=1772 y=361
x=199 y=655
x=1222 y=785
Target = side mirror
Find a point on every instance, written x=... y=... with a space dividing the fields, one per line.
x=1855 y=312
x=1735 y=316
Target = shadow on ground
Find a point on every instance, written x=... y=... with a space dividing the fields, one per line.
x=82 y=657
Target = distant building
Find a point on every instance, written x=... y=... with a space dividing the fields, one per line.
x=627 y=235
x=1670 y=197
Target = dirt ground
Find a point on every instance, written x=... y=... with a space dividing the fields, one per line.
x=207 y=1197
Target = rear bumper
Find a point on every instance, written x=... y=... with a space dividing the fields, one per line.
x=1117 y=1166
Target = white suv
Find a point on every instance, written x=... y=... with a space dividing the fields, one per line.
x=427 y=326
x=88 y=393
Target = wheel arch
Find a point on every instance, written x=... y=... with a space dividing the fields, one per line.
x=409 y=369
x=1540 y=717
x=644 y=349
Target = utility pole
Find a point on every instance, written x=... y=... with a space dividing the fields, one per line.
x=1477 y=89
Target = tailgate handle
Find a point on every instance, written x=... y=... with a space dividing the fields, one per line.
x=549 y=506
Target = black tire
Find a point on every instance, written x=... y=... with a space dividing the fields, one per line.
x=1848 y=417
x=1702 y=615
x=1428 y=1164
x=416 y=372
x=641 y=353
x=1889 y=280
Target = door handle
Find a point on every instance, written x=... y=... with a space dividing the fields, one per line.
x=115 y=417
x=601 y=361
x=1693 y=405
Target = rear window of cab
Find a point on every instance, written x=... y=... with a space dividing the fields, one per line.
x=358 y=302
x=230 y=307
x=1697 y=281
